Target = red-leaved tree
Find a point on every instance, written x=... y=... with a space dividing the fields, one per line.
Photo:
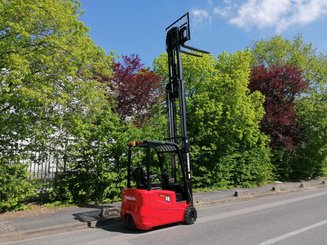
x=280 y=85
x=137 y=89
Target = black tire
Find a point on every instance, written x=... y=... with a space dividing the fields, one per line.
x=129 y=223
x=190 y=215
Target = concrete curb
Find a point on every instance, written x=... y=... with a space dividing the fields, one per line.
x=277 y=189
x=21 y=235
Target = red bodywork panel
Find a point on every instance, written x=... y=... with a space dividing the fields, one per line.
x=150 y=208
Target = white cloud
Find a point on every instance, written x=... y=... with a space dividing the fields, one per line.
x=223 y=12
x=263 y=13
x=201 y=17
x=277 y=14
x=306 y=12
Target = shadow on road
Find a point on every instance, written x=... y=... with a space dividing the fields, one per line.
x=95 y=218
x=117 y=226
x=88 y=216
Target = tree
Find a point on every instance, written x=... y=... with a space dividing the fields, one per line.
x=137 y=90
x=227 y=147
x=95 y=172
x=45 y=57
x=225 y=126
x=49 y=99
x=195 y=70
x=309 y=155
x=280 y=85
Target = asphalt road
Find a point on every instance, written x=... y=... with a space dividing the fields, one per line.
x=296 y=218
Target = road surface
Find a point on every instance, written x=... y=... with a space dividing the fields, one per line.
x=294 y=218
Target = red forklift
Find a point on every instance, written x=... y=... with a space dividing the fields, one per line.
x=159 y=189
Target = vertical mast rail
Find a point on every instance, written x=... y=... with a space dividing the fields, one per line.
x=176 y=36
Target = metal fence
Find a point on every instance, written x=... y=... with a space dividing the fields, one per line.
x=41 y=164
x=45 y=166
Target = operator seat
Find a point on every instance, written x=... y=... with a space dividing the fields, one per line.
x=165 y=180
x=140 y=176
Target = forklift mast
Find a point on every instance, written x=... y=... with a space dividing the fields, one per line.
x=176 y=35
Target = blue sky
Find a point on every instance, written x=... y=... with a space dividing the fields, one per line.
x=138 y=26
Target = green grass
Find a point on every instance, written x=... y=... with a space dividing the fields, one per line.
x=58 y=204
x=324 y=171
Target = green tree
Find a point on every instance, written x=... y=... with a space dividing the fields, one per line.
x=96 y=170
x=49 y=98
x=45 y=58
x=195 y=70
x=224 y=124
x=309 y=156
x=227 y=147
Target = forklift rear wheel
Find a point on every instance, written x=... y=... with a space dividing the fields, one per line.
x=129 y=222
x=190 y=215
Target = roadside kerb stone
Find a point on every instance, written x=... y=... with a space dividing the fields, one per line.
x=246 y=194
x=6 y=226
x=21 y=235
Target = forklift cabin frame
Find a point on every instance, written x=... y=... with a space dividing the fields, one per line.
x=160 y=148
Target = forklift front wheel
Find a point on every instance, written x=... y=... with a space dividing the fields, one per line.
x=129 y=222
x=190 y=215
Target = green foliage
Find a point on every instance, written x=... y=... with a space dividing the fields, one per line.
x=15 y=187
x=46 y=59
x=196 y=71
x=83 y=184
x=223 y=124
x=324 y=174
x=301 y=55
x=227 y=147
x=57 y=204
x=94 y=172
x=155 y=127
x=50 y=100
x=309 y=156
